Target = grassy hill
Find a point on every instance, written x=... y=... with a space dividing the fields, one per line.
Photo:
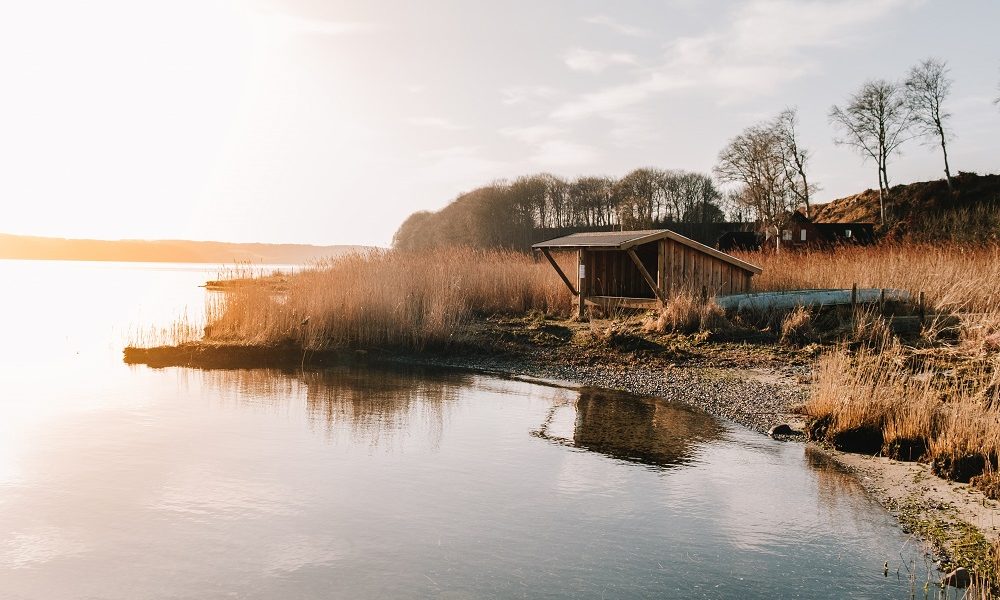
x=927 y=210
x=44 y=248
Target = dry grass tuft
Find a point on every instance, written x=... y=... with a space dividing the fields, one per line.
x=688 y=313
x=797 y=327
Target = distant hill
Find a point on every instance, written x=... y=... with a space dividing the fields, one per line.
x=923 y=208
x=44 y=248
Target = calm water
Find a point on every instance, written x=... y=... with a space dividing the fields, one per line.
x=119 y=482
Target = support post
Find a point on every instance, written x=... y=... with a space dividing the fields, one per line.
x=581 y=283
x=562 y=275
x=661 y=267
x=922 y=308
x=645 y=275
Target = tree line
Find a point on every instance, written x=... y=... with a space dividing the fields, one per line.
x=766 y=169
x=511 y=213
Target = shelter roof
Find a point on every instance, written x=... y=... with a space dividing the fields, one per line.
x=624 y=240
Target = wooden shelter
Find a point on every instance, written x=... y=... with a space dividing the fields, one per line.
x=643 y=269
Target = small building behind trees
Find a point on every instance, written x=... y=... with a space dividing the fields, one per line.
x=801 y=232
x=643 y=269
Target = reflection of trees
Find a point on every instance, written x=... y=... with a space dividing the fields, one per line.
x=644 y=430
x=374 y=404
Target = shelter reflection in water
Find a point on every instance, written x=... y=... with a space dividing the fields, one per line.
x=650 y=431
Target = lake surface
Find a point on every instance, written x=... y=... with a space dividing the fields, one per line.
x=128 y=482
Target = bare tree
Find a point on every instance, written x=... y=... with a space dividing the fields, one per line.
x=639 y=196
x=927 y=87
x=875 y=121
x=593 y=199
x=793 y=156
x=753 y=160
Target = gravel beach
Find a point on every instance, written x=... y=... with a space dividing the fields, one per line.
x=755 y=398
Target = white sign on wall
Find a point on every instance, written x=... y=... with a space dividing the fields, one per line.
x=583 y=271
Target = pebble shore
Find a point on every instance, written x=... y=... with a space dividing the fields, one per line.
x=749 y=398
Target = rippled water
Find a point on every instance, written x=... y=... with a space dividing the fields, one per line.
x=377 y=482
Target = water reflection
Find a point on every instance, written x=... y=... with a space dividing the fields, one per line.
x=649 y=431
x=264 y=484
x=833 y=481
x=374 y=409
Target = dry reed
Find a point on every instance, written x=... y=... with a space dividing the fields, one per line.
x=797 y=327
x=384 y=298
x=687 y=312
x=953 y=276
x=937 y=398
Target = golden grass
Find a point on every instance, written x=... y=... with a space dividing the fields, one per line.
x=953 y=276
x=797 y=326
x=385 y=298
x=937 y=395
x=687 y=313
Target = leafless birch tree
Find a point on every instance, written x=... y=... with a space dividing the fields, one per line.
x=927 y=87
x=793 y=156
x=875 y=121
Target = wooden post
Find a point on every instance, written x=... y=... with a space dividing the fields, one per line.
x=922 y=308
x=881 y=301
x=661 y=267
x=562 y=275
x=581 y=283
x=854 y=304
x=645 y=275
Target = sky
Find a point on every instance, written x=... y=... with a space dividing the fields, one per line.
x=329 y=122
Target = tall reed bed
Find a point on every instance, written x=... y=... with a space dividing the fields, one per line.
x=385 y=298
x=935 y=397
x=954 y=276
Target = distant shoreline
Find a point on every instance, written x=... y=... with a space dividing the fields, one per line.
x=18 y=247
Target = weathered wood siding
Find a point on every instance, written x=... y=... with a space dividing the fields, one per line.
x=675 y=267
x=687 y=269
x=612 y=273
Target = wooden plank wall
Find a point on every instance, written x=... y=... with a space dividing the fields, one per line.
x=686 y=269
x=612 y=273
x=678 y=268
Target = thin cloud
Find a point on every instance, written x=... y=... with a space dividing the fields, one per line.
x=764 y=45
x=606 y=21
x=435 y=123
x=459 y=166
x=563 y=153
x=594 y=61
x=532 y=134
x=612 y=99
x=294 y=24
x=520 y=94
